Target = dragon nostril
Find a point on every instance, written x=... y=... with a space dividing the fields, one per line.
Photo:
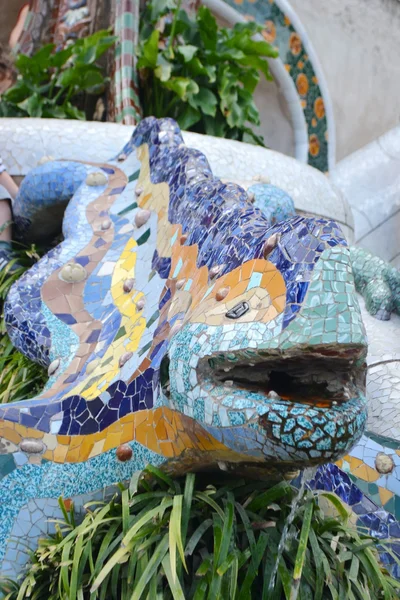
x=238 y=311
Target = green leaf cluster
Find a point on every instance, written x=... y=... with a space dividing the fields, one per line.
x=196 y=539
x=52 y=84
x=20 y=377
x=202 y=75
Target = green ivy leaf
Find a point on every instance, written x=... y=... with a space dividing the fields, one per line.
x=188 y=117
x=18 y=92
x=196 y=68
x=23 y=63
x=208 y=27
x=89 y=49
x=217 y=127
x=91 y=78
x=82 y=77
x=26 y=67
x=185 y=26
x=72 y=112
x=187 y=52
x=251 y=111
x=250 y=27
x=41 y=58
x=58 y=59
x=34 y=68
x=53 y=111
x=228 y=80
x=182 y=87
x=149 y=54
x=206 y=101
x=235 y=115
x=7 y=109
x=250 y=79
x=163 y=70
x=160 y=8
x=258 y=48
x=94 y=46
x=258 y=63
x=230 y=55
x=69 y=77
x=87 y=56
x=32 y=105
x=252 y=138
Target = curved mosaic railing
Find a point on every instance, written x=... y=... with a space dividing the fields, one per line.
x=308 y=97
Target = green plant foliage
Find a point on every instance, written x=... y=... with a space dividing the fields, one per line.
x=51 y=84
x=162 y=539
x=20 y=378
x=201 y=75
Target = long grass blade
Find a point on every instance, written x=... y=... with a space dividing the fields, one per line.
x=75 y=567
x=233 y=584
x=175 y=535
x=206 y=498
x=271 y=495
x=301 y=550
x=174 y=583
x=226 y=531
x=151 y=568
x=196 y=536
x=64 y=570
x=318 y=559
x=285 y=578
x=126 y=544
x=187 y=503
x=337 y=503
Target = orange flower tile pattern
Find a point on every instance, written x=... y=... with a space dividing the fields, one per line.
x=280 y=30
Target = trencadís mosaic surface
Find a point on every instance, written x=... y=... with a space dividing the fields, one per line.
x=364 y=500
x=181 y=325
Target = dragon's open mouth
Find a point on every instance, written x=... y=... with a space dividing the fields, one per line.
x=313 y=378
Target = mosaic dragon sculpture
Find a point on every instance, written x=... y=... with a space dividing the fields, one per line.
x=197 y=274
x=181 y=326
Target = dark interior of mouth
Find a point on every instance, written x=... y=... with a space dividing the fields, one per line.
x=310 y=379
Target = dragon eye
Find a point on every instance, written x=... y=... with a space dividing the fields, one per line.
x=238 y=311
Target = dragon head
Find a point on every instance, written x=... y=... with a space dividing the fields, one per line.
x=258 y=323
x=274 y=390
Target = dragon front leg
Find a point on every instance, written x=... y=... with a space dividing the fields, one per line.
x=377 y=281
